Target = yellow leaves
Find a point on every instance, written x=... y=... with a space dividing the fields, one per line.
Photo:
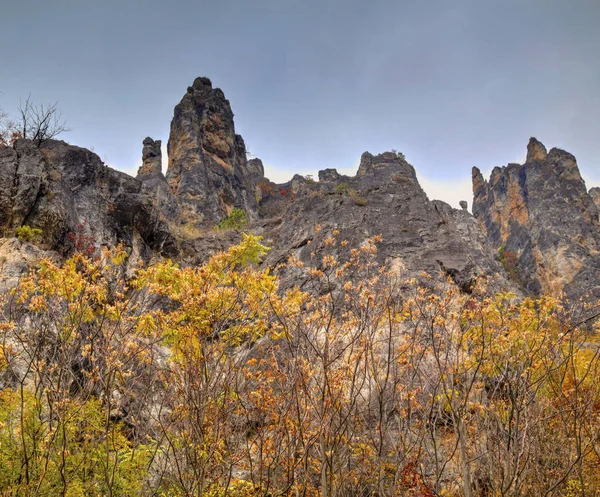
x=146 y=324
x=37 y=303
x=329 y=241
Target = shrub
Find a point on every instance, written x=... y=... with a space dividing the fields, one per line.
x=27 y=233
x=400 y=155
x=341 y=188
x=510 y=262
x=235 y=221
x=357 y=199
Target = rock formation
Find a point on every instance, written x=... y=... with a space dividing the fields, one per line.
x=542 y=221
x=151 y=160
x=384 y=198
x=208 y=171
x=65 y=189
x=595 y=194
x=151 y=175
x=535 y=225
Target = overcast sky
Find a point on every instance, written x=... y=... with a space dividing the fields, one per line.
x=314 y=83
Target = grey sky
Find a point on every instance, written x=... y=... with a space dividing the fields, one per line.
x=313 y=84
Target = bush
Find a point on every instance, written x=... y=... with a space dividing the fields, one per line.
x=510 y=261
x=341 y=188
x=235 y=221
x=27 y=233
x=357 y=199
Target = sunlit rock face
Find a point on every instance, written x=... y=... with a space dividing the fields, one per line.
x=208 y=171
x=543 y=222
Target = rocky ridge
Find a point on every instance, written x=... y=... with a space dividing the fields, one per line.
x=534 y=226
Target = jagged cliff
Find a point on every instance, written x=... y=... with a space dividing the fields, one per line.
x=534 y=225
x=384 y=198
x=62 y=189
x=542 y=220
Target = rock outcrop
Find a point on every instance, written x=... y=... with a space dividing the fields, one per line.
x=595 y=194
x=65 y=189
x=151 y=160
x=208 y=171
x=151 y=175
x=534 y=226
x=384 y=198
x=542 y=221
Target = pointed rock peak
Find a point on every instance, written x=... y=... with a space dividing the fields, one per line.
x=151 y=158
x=208 y=170
x=535 y=150
x=478 y=179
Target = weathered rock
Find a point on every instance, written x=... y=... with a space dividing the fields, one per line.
x=535 y=150
x=27 y=180
x=208 y=172
x=16 y=259
x=151 y=175
x=255 y=168
x=595 y=194
x=328 y=175
x=543 y=222
x=384 y=198
x=9 y=162
x=463 y=205
x=151 y=159
x=65 y=189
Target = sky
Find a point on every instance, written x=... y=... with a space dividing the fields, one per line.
x=314 y=83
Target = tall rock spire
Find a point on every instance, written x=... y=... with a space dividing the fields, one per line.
x=208 y=171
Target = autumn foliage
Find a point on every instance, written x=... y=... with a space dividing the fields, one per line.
x=213 y=381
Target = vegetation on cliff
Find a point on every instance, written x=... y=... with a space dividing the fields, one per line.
x=209 y=381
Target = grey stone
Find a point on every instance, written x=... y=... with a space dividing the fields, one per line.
x=208 y=171
x=541 y=217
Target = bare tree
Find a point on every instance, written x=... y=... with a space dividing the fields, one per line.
x=7 y=128
x=40 y=122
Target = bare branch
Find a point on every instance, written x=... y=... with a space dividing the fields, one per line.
x=40 y=123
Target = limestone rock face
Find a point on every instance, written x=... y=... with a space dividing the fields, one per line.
x=384 y=198
x=535 y=150
x=22 y=170
x=154 y=181
x=595 y=194
x=543 y=222
x=208 y=172
x=65 y=189
x=151 y=159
